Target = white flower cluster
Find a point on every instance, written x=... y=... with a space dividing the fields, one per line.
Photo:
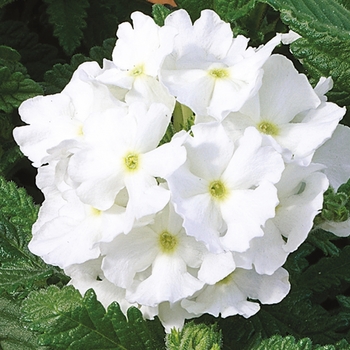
x=200 y=224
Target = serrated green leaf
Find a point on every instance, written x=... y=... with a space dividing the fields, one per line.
x=278 y=342
x=324 y=48
x=159 y=13
x=195 y=337
x=68 y=321
x=37 y=57
x=15 y=85
x=13 y=335
x=20 y=270
x=98 y=53
x=327 y=272
x=60 y=75
x=68 y=19
x=232 y=10
x=323 y=240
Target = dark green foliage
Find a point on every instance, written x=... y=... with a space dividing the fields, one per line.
x=13 y=335
x=15 y=85
x=336 y=205
x=68 y=19
x=289 y=343
x=38 y=39
x=68 y=321
x=20 y=270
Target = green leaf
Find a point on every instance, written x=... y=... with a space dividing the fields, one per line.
x=68 y=19
x=68 y=321
x=232 y=10
x=323 y=240
x=194 y=7
x=324 y=48
x=59 y=76
x=195 y=337
x=13 y=335
x=159 y=13
x=15 y=85
x=37 y=57
x=327 y=272
x=278 y=342
x=228 y=10
x=20 y=270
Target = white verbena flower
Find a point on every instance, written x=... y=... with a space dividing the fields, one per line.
x=155 y=263
x=225 y=193
x=287 y=109
x=210 y=71
x=230 y=296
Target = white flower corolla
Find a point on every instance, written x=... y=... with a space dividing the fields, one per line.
x=140 y=50
x=226 y=193
x=55 y=118
x=300 y=193
x=89 y=275
x=230 y=296
x=121 y=152
x=155 y=263
x=335 y=155
x=288 y=109
x=210 y=71
x=67 y=231
x=137 y=57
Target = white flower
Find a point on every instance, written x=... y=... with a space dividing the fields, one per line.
x=335 y=155
x=155 y=263
x=56 y=118
x=300 y=193
x=230 y=296
x=67 y=230
x=210 y=71
x=287 y=109
x=121 y=152
x=226 y=193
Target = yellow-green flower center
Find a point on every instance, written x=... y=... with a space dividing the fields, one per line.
x=138 y=70
x=167 y=242
x=131 y=161
x=95 y=212
x=219 y=73
x=225 y=280
x=268 y=128
x=218 y=190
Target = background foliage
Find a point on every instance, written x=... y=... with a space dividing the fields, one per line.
x=41 y=43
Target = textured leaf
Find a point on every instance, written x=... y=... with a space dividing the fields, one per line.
x=196 y=337
x=327 y=272
x=68 y=321
x=35 y=56
x=159 y=13
x=59 y=76
x=323 y=240
x=228 y=10
x=15 y=85
x=289 y=343
x=68 y=19
x=324 y=49
x=20 y=270
x=13 y=335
